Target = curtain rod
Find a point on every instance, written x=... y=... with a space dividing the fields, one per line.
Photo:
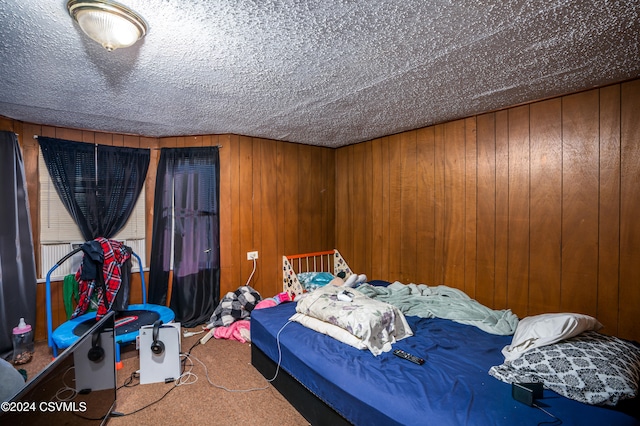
x=217 y=146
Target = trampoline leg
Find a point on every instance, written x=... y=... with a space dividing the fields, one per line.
x=119 y=364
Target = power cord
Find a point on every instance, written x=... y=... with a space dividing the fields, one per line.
x=187 y=377
x=118 y=414
x=279 y=352
x=186 y=333
x=184 y=379
x=556 y=422
x=128 y=382
x=252 y=272
x=66 y=392
x=206 y=372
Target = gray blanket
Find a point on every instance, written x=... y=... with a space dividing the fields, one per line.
x=443 y=302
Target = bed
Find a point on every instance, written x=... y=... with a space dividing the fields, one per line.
x=330 y=382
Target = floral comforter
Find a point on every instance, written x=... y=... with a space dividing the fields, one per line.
x=363 y=323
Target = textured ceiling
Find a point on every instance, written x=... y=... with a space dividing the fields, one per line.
x=324 y=72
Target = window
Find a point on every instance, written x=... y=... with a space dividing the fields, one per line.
x=59 y=234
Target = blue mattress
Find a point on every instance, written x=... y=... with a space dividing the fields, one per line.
x=452 y=387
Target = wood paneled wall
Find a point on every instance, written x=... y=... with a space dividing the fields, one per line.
x=534 y=208
x=275 y=197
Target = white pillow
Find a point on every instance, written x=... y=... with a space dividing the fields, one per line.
x=545 y=329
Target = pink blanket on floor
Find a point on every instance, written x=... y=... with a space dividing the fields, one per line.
x=240 y=330
x=233 y=331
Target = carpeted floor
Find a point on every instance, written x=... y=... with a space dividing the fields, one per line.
x=201 y=399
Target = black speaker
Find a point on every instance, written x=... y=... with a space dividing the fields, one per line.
x=157 y=347
x=96 y=353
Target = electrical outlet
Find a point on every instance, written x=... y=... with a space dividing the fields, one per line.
x=252 y=255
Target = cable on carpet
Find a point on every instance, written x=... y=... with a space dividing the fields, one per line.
x=556 y=422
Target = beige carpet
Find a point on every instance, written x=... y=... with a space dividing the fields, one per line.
x=197 y=401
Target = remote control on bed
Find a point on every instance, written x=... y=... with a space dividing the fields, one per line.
x=408 y=356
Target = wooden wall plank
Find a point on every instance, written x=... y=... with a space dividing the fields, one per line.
x=293 y=170
x=234 y=280
x=8 y=125
x=629 y=305
x=425 y=196
x=31 y=152
x=386 y=211
x=288 y=170
x=454 y=204
x=256 y=213
x=283 y=206
x=358 y=199
x=328 y=197
x=367 y=203
x=580 y=164
x=269 y=226
x=315 y=188
x=102 y=138
x=518 y=242
x=486 y=208
x=502 y=209
x=245 y=207
x=470 y=206
x=128 y=140
x=395 y=209
x=408 y=206
x=377 y=225
x=609 y=206
x=307 y=214
x=439 y=204
x=226 y=229
x=343 y=172
x=380 y=209
x=546 y=206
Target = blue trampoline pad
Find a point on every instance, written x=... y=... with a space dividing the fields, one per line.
x=128 y=323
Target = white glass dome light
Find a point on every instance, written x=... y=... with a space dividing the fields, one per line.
x=110 y=24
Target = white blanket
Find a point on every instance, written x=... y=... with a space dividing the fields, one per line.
x=361 y=323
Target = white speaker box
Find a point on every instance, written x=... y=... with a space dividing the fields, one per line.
x=160 y=366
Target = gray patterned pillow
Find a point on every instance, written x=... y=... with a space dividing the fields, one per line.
x=592 y=368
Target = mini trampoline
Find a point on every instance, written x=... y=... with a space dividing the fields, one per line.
x=128 y=322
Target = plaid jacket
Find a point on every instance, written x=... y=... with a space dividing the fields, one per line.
x=115 y=255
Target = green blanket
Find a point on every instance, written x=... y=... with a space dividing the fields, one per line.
x=69 y=294
x=443 y=302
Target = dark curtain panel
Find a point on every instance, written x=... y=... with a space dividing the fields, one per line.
x=121 y=174
x=72 y=167
x=98 y=184
x=17 y=262
x=186 y=214
x=162 y=231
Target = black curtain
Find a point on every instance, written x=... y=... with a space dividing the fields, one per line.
x=98 y=184
x=186 y=217
x=17 y=262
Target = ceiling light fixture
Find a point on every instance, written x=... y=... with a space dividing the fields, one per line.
x=110 y=24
